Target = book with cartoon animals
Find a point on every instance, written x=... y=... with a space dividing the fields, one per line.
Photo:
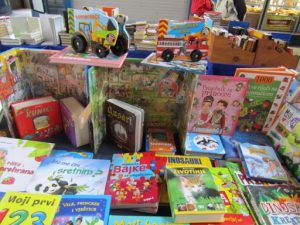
x=194 y=197
x=261 y=163
x=217 y=103
x=70 y=176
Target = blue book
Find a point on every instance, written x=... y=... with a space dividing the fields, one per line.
x=209 y=145
x=83 y=209
x=140 y=220
x=72 y=154
x=261 y=163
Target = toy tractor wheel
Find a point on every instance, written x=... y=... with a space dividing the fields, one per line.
x=101 y=51
x=120 y=47
x=196 y=55
x=79 y=43
x=167 y=55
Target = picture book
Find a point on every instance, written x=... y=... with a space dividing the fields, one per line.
x=25 y=208
x=71 y=154
x=194 y=197
x=217 y=104
x=70 y=176
x=132 y=181
x=37 y=119
x=204 y=145
x=71 y=112
x=19 y=159
x=141 y=220
x=160 y=141
x=235 y=207
x=83 y=209
x=295 y=98
x=261 y=163
x=124 y=124
x=266 y=94
x=285 y=134
x=275 y=205
x=6 y=80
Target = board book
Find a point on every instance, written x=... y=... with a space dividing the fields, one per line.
x=194 y=197
x=19 y=159
x=141 y=220
x=70 y=176
x=261 y=163
x=87 y=209
x=266 y=94
x=217 y=103
x=160 y=141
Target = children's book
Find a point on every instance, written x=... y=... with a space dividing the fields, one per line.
x=19 y=159
x=141 y=220
x=160 y=141
x=261 y=163
x=275 y=205
x=295 y=98
x=194 y=197
x=25 y=208
x=83 y=209
x=266 y=94
x=72 y=154
x=204 y=145
x=217 y=104
x=124 y=124
x=70 y=176
x=132 y=181
x=235 y=207
x=38 y=118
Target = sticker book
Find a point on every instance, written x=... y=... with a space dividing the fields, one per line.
x=70 y=176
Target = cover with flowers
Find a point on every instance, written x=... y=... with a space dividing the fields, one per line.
x=217 y=104
x=132 y=182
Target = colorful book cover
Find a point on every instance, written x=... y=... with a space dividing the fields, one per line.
x=275 y=205
x=25 y=208
x=160 y=140
x=132 y=181
x=261 y=163
x=72 y=154
x=83 y=209
x=19 y=159
x=204 y=145
x=218 y=101
x=295 y=98
x=70 y=176
x=141 y=220
x=37 y=119
x=6 y=80
x=235 y=207
x=265 y=96
x=192 y=192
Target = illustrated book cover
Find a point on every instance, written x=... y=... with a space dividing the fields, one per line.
x=37 y=119
x=25 y=208
x=218 y=101
x=71 y=112
x=19 y=159
x=124 y=124
x=266 y=94
x=261 y=163
x=141 y=220
x=70 y=176
x=194 y=197
x=71 y=154
x=132 y=182
x=161 y=141
x=83 y=209
x=204 y=145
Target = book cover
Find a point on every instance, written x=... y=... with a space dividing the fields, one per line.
x=192 y=193
x=141 y=220
x=275 y=205
x=261 y=163
x=160 y=140
x=217 y=104
x=70 y=176
x=204 y=145
x=132 y=181
x=19 y=159
x=71 y=154
x=295 y=98
x=6 y=80
x=235 y=207
x=25 y=208
x=37 y=119
x=83 y=209
x=265 y=96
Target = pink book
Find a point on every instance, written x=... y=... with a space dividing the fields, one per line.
x=68 y=56
x=217 y=104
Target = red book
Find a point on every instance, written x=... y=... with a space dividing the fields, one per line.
x=38 y=118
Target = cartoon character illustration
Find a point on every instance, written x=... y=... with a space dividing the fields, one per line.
x=205 y=113
x=239 y=86
x=236 y=103
x=218 y=116
x=272 y=166
x=79 y=220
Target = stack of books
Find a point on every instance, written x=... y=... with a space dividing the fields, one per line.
x=5 y=26
x=131 y=29
x=11 y=40
x=65 y=38
x=150 y=39
x=32 y=38
x=140 y=31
